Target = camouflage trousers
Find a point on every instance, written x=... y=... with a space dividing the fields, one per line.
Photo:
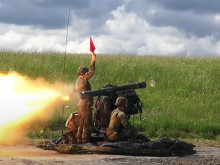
x=70 y=137
x=124 y=134
x=85 y=121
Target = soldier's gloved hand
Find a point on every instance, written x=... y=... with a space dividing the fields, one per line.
x=93 y=57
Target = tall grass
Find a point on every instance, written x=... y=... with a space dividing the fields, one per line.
x=185 y=102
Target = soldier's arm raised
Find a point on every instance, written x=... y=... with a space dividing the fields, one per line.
x=91 y=71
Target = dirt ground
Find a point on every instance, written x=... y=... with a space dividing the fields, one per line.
x=30 y=155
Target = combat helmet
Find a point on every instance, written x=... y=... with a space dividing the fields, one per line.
x=82 y=70
x=120 y=101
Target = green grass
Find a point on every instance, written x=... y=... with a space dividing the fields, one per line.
x=184 y=104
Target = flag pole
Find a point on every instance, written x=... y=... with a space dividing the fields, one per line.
x=64 y=66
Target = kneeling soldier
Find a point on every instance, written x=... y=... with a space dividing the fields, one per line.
x=72 y=124
x=119 y=128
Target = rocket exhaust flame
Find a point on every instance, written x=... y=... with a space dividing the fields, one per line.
x=66 y=98
x=23 y=101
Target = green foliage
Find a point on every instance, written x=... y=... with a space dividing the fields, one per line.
x=184 y=103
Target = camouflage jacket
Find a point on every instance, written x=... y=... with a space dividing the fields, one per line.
x=72 y=122
x=118 y=120
x=82 y=84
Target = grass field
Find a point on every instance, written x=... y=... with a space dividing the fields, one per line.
x=185 y=103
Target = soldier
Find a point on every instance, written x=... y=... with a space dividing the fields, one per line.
x=72 y=124
x=85 y=105
x=119 y=128
x=104 y=106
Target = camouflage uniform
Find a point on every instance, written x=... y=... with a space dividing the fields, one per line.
x=84 y=105
x=104 y=106
x=103 y=112
x=119 y=127
x=72 y=124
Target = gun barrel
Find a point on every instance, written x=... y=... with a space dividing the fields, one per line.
x=108 y=90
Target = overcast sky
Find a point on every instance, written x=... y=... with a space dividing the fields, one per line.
x=143 y=27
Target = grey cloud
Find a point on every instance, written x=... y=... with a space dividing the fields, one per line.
x=178 y=14
x=98 y=12
x=62 y=3
x=23 y=12
x=200 y=6
x=193 y=21
x=190 y=23
x=53 y=13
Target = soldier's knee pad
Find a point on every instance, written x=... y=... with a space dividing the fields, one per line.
x=112 y=137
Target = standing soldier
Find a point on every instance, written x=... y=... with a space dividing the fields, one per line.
x=85 y=105
x=119 y=128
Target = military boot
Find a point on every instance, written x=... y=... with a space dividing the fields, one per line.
x=79 y=140
x=85 y=140
x=140 y=136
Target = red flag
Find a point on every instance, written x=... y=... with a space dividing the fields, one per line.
x=92 y=46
